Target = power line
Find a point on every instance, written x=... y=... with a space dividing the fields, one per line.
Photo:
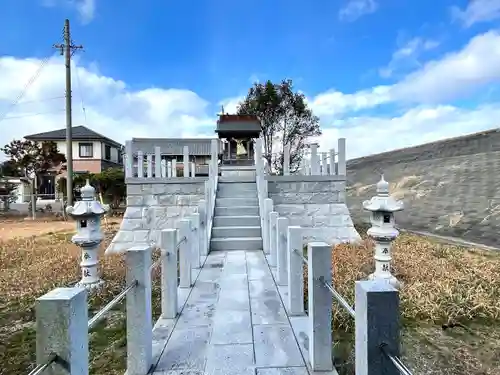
x=32 y=114
x=40 y=100
x=81 y=94
x=28 y=84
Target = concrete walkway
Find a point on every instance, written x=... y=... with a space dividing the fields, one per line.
x=232 y=322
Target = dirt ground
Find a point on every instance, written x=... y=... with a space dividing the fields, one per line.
x=10 y=229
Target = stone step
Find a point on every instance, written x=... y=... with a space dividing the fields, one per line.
x=236 y=221
x=237 y=179
x=237 y=211
x=232 y=232
x=237 y=185
x=238 y=202
x=228 y=193
x=238 y=243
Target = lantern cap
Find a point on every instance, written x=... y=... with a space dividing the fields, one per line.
x=382 y=186
x=88 y=191
x=383 y=202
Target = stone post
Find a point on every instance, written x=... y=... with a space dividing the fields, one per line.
x=149 y=159
x=214 y=153
x=377 y=324
x=174 y=167
x=139 y=311
x=163 y=166
x=314 y=160
x=342 y=157
x=273 y=241
x=184 y=226
x=307 y=169
x=193 y=169
x=282 y=244
x=140 y=164
x=169 y=169
x=295 y=272
x=129 y=160
x=268 y=207
x=195 y=243
x=332 y=161
x=185 y=161
x=324 y=163
x=202 y=210
x=169 y=299
x=157 y=162
x=62 y=329
x=383 y=232
x=320 y=306
x=286 y=160
x=87 y=213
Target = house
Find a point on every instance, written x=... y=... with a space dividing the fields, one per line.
x=92 y=153
x=173 y=148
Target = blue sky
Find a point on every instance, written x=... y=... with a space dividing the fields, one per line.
x=215 y=49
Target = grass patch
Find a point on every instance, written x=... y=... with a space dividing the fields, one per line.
x=450 y=304
x=30 y=267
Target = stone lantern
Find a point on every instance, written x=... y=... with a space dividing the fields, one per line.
x=87 y=213
x=382 y=208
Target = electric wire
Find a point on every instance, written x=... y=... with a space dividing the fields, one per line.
x=81 y=93
x=28 y=84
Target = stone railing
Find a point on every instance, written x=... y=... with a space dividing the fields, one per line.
x=377 y=346
x=313 y=163
x=157 y=164
x=62 y=318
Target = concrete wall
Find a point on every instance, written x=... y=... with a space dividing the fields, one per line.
x=153 y=205
x=316 y=203
x=450 y=188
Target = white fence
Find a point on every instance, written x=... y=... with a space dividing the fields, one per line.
x=156 y=165
x=313 y=163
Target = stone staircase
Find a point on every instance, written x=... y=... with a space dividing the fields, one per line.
x=236 y=220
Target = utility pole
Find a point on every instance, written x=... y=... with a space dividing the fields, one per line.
x=67 y=49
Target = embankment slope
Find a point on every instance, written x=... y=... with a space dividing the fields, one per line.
x=449 y=187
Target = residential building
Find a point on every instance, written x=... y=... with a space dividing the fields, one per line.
x=173 y=148
x=92 y=153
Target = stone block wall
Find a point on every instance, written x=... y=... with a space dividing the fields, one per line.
x=153 y=205
x=316 y=203
x=450 y=188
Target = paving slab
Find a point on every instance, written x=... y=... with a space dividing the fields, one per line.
x=232 y=322
x=263 y=288
x=268 y=311
x=232 y=327
x=283 y=371
x=235 y=359
x=275 y=346
x=234 y=299
x=186 y=349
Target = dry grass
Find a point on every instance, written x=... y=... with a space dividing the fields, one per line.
x=450 y=303
x=29 y=267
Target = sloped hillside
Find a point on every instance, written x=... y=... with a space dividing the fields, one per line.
x=450 y=187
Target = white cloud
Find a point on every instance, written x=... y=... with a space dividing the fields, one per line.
x=357 y=8
x=477 y=11
x=85 y=8
x=368 y=135
x=231 y=104
x=112 y=108
x=453 y=76
x=408 y=55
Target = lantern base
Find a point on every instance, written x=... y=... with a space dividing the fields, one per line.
x=90 y=285
x=390 y=279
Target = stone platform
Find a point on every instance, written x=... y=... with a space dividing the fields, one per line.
x=232 y=321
